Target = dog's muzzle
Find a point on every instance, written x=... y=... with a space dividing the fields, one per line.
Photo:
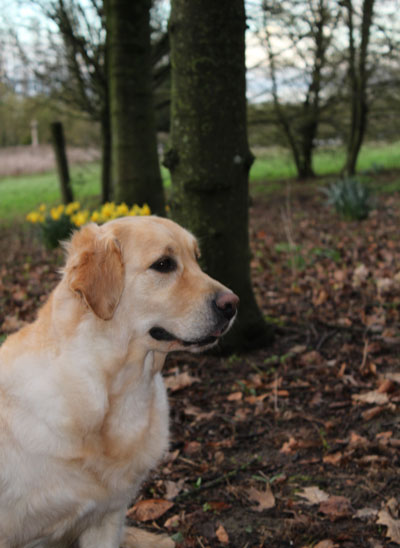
x=224 y=309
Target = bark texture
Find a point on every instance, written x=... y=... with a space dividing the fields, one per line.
x=210 y=158
x=135 y=168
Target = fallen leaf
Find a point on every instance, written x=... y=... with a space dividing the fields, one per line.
x=357 y=441
x=393 y=525
x=321 y=298
x=395 y=377
x=180 y=381
x=316 y=400
x=265 y=499
x=289 y=447
x=365 y=513
x=371 y=413
x=335 y=458
x=172 y=522
x=313 y=495
x=377 y=461
x=326 y=544
x=393 y=506
x=386 y=386
x=384 y=285
x=336 y=507
x=371 y=397
x=283 y=393
x=375 y=543
x=298 y=349
x=11 y=323
x=360 y=275
x=222 y=535
x=253 y=400
x=148 y=539
x=146 y=510
x=312 y=358
x=384 y=437
x=192 y=447
x=218 y=506
x=173 y=488
x=235 y=396
x=198 y=413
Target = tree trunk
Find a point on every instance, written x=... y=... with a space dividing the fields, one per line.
x=57 y=133
x=105 y=157
x=210 y=159
x=135 y=167
x=306 y=145
x=358 y=75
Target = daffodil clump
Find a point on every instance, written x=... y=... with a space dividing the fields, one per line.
x=58 y=222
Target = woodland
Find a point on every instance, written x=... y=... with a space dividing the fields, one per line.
x=287 y=434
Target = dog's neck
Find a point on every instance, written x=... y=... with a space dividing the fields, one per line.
x=112 y=344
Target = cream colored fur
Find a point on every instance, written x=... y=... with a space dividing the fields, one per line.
x=83 y=407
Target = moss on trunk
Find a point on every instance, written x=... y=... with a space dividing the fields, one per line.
x=135 y=168
x=210 y=158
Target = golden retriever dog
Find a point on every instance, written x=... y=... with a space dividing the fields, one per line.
x=83 y=408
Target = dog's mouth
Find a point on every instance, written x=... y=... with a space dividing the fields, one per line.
x=161 y=334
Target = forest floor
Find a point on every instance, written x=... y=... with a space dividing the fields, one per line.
x=295 y=445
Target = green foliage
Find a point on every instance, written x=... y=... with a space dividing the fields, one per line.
x=54 y=231
x=326 y=253
x=350 y=198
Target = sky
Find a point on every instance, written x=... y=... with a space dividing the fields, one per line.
x=19 y=14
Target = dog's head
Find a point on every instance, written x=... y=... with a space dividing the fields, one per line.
x=142 y=272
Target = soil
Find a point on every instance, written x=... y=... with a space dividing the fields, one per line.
x=294 y=445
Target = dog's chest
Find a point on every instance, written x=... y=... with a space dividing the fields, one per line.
x=86 y=480
x=135 y=431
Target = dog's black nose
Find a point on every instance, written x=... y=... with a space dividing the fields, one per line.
x=226 y=303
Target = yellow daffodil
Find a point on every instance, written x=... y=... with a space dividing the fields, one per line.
x=145 y=210
x=122 y=210
x=33 y=217
x=56 y=212
x=72 y=207
x=96 y=217
x=108 y=210
x=42 y=208
x=135 y=210
x=80 y=218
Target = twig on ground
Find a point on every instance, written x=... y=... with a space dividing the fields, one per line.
x=214 y=482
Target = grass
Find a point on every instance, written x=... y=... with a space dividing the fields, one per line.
x=277 y=163
x=21 y=194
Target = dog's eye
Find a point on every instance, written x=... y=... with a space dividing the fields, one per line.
x=164 y=265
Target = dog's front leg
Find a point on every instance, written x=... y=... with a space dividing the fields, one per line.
x=107 y=534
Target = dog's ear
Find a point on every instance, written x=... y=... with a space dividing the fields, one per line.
x=95 y=270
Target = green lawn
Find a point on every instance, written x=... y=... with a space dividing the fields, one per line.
x=277 y=163
x=19 y=195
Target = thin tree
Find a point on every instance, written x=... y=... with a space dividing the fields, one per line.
x=210 y=159
x=358 y=79
x=135 y=168
x=75 y=73
x=297 y=35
